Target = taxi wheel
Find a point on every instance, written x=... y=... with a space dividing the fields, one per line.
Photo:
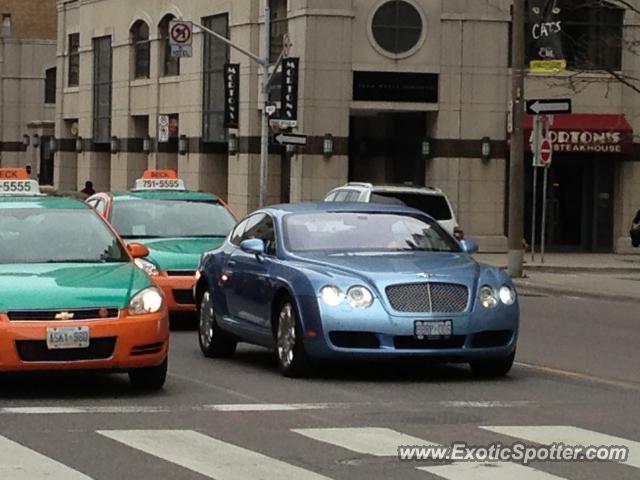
x=214 y=342
x=292 y=357
x=493 y=367
x=149 y=378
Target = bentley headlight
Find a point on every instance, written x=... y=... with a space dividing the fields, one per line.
x=507 y=295
x=148 y=267
x=149 y=300
x=331 y=295
x=488 y=296
x=359 y=297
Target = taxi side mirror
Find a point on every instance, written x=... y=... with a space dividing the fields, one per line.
x=137 y=250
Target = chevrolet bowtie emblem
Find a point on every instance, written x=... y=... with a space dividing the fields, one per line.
x=64 y=316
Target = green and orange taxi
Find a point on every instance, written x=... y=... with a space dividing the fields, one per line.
x=175 y=224
x=71 y=295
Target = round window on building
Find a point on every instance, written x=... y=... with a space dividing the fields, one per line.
x=397 y=27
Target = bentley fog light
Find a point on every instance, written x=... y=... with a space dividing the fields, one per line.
x=148 y=267
x=507 y=295
x=360 y=297
x=488 y=296
x=149 y=300
x=331 y=295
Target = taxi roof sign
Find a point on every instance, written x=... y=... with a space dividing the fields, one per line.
x=14 y=174
x=17 y=182
x=166 y=174
x=159 y=180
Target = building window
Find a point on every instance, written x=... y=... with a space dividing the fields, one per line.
x=216 y=54
x=592 y=35
x=6 y=25
x=279 y=27
x=397 y=27
x=50 y=86
x=102 y=89
x=170 y=64
x=141 y=49
x=74 y=60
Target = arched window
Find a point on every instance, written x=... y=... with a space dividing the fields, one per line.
x=170 y=65
x=141 y=49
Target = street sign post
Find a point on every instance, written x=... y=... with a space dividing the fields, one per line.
x=296 y=139
x=163 y=128
x=181 y=38
x=549 y=106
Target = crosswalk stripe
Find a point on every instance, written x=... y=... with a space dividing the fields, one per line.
x=380 y=442
x=208 y=456
x=546 y=435
x=18 y=462
x=489 y=471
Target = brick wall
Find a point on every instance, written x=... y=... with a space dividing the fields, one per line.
x=31 y=18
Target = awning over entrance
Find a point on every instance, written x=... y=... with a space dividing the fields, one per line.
x=587 y=133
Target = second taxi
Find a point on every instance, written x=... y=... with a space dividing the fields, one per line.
x=177 y=226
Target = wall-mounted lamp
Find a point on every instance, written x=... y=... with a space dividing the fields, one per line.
x=183 y=145
x=115 y=145
x=35 y=141
x=79 y=144
x=26 y=140
x=233 y=144
x=426 y=147
x=53 y=145
x=327 y=145
x=146 y=144
x=486 y=148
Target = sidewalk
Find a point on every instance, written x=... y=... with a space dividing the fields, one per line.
x=603 y=276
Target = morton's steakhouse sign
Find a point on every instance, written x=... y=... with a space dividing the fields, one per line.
x=598 y=134
x=592 y=142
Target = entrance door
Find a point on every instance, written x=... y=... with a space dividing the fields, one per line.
x=386 y=147
x=579 y=204
x=46 y=162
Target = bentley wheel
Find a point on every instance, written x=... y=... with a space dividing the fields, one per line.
x=214 y=342
x=493 y=367
x=292 y=357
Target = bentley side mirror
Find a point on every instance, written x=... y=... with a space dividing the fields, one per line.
x=469 y=246
x=253 y=245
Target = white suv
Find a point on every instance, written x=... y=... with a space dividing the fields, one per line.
x=430 y=200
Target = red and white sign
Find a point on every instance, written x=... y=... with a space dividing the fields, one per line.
x=546 y=152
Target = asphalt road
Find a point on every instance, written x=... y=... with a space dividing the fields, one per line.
x=578 y=372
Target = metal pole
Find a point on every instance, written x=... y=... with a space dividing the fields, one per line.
x=534 y=216
x=516 y=167
x=544 y=214
x=264 y=149
x=536 y=162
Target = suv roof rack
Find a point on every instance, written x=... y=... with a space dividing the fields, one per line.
x=360 y=184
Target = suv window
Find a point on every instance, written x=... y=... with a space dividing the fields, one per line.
x=346 y=196
x=434 y=205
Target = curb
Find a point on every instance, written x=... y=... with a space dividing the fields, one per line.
x=523 y=287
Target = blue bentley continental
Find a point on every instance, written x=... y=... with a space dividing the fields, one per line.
x=338 y=281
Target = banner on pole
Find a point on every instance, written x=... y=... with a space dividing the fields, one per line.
x=231 y=95
x=289 y=101
x=545 y=37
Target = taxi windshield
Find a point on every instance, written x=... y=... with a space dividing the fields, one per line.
x=170 y=219
x=36 y=235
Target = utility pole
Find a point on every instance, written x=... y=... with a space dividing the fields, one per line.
x=516 y=166
x=264 y=149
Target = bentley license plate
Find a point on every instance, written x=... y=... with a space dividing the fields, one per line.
x=67 y=337
x=433 y=329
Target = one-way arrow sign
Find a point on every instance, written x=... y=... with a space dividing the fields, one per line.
x=291 y=139
x=549 y=106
